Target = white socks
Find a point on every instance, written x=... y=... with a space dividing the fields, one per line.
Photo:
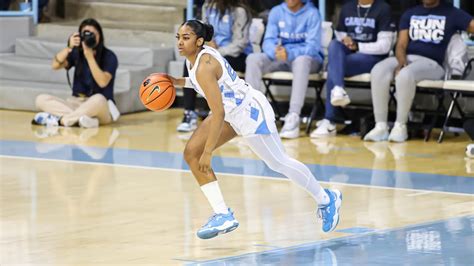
x=214 y=196
x=321 y=197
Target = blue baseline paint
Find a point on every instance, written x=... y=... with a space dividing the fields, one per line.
x=356 y=230
x=447 y=242
x=328 y=173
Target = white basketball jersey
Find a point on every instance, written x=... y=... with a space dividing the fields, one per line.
x=233 y=89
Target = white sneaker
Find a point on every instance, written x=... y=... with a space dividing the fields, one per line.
x=325 y=129
x=399 y=133
x=46 y=119
x=88 y=122
x=378 y=133
x=339 y=97
x=189 y=122
x=291 y=128
x=470 y=151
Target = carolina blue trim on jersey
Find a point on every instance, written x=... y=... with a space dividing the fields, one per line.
x=263 y=129
x=254 y=113
x=169 y=160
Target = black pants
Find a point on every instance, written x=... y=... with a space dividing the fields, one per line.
x=189 y=95
x=4 y=4
x=469 y=128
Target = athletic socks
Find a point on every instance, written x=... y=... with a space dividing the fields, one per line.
x=214 y=196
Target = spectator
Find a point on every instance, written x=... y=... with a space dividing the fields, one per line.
x=4 y=5
x=231 y=20
x=92 y=101
x=292 y=42
x=41 y=9
x=364 y=36
x=261 y=8
x=424 y=34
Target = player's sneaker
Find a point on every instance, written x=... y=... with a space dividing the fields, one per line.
x=218 y=224
x=330 y=213
x=378 y=133
x=399 y=133
x=189 y=122
x=325 y=128
x=339 y=97
x=88 y=122
x=291 y=128
x=47 y=119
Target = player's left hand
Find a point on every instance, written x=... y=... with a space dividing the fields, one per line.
x=354 y=46
x=280 y=53
x=173 y=79
x=205 y=162
x=347 y=41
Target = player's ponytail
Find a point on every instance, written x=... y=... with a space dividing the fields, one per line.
x=201 y=29
x=209 y=32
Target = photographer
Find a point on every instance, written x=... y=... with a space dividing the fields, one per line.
x=92 y=101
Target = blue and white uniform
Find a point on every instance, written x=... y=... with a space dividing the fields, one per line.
x=246 y=109
x=251 y=116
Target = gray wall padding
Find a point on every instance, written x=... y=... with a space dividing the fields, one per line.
x=12 y=28
x=41 y=48
x=28 y=73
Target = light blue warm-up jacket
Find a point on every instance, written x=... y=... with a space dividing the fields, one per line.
x=299 y=32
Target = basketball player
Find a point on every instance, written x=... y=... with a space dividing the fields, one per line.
x=236 y=109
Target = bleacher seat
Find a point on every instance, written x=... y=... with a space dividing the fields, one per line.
x=28 y=73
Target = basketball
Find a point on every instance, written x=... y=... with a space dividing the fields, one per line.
x=157 y=92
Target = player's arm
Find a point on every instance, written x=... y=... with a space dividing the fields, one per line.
x=401 y=50
x=178 y=82
x=60 y=59
x=470 y=29
x=208 y=74
x=101 y=77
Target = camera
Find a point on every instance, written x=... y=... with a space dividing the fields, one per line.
x=88 y=38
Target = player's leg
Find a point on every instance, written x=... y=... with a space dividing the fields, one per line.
x=52 y=108
x=91 y=113
x=270 y=149
x=223 y=220
x=419 y=68
x=53 y=105
x=195 y=147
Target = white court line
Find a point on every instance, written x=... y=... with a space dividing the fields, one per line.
x=417 y=191
x=421 y=193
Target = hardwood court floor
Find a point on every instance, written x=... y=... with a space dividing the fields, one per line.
x=121 y=195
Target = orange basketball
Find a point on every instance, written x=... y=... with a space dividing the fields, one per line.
x=157 y=92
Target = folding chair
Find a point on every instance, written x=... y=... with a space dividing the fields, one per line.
x=456 y=89
x=454 y=64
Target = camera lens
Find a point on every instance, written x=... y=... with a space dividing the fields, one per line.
x=88 y=38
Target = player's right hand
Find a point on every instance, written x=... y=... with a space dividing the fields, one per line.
x=74 y=40
x=280 y=53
